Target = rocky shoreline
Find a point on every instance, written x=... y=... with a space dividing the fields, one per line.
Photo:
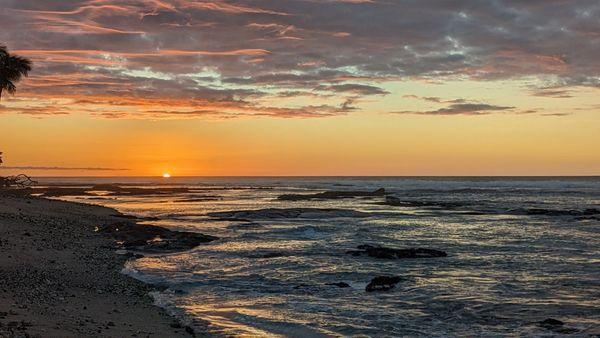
x=60 y=275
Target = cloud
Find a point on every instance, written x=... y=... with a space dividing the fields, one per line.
x=554 y=93
x=434 y=99
x=228 y=53
x=354 y=89
x=61 y=168
x=556 y=114
x=461 y=109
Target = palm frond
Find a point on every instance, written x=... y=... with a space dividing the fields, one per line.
x=15 y=67
x=12 y=69
x=9 y=87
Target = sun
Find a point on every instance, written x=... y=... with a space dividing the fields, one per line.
x=166 y=175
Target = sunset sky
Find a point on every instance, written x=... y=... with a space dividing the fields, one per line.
x=303 y=87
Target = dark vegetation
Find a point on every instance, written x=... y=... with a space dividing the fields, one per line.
x=12 y=69
x=18 y=181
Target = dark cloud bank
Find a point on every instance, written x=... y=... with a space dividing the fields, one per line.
x=226 y=59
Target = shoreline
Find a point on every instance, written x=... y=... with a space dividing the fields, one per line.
x=62 y=277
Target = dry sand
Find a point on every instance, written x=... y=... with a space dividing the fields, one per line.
x=59 y=278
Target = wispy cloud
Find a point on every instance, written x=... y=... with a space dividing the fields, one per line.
x=461 y=109
x=249 y=58
x=552 y=92
x=60 y=168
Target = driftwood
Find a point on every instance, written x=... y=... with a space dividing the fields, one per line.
x=18 y=181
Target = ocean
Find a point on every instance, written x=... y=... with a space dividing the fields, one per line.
x=519 y=251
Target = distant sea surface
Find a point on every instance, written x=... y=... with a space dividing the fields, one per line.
x=520 y=250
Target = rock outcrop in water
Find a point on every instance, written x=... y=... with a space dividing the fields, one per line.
x=383 y=283
x=151 y=238
x=556 y=212
x=589 y=213
x=108 y=189
x=205 y=198
x=389 y=253
x=331 y=195
x=274 y=213
x=397 y=202
x=340 y=285
x=557 y=326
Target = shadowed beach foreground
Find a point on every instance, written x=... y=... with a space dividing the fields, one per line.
x=58 y=278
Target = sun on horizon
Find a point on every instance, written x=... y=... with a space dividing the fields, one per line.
x=166 y=175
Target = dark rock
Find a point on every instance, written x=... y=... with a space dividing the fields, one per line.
x=303 y=286
x=383 y=283
x=134 y=242
x=151 y=238
x=189 y=330
x=557 y=326
x=339 y=284
x=199 y=199
x=126 y=216
x=114 y=189
x=389 y=253
x=397 y=202
x=331 y=195
x=274 y=254
x=275 y=213
x=62 y=191
x=111 y=189
x=556 y=212
x=176 y=325
x=551 y=322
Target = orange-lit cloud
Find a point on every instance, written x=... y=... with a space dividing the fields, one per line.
x=234 y=58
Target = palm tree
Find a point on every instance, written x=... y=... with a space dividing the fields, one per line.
x=12 y=69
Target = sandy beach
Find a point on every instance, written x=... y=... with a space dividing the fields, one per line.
x=60 y=278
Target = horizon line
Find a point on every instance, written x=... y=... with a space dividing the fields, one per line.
x=303 y=176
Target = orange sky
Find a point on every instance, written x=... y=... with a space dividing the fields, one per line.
x=142 y=87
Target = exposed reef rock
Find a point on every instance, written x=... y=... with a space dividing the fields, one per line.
x=383 y=283
x=388 y=253
x=339 y=284
x=151 y=238
x=274 y=213
x=199 y=199
x=332 y=195
x=554 y=212
x=270 y=254
x=107 y=189
x=463 y=207
x=397 y=202
x=557 y=326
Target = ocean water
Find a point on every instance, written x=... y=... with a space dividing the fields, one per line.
x=520 y=250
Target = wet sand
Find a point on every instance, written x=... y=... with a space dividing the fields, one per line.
x=60 y=278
